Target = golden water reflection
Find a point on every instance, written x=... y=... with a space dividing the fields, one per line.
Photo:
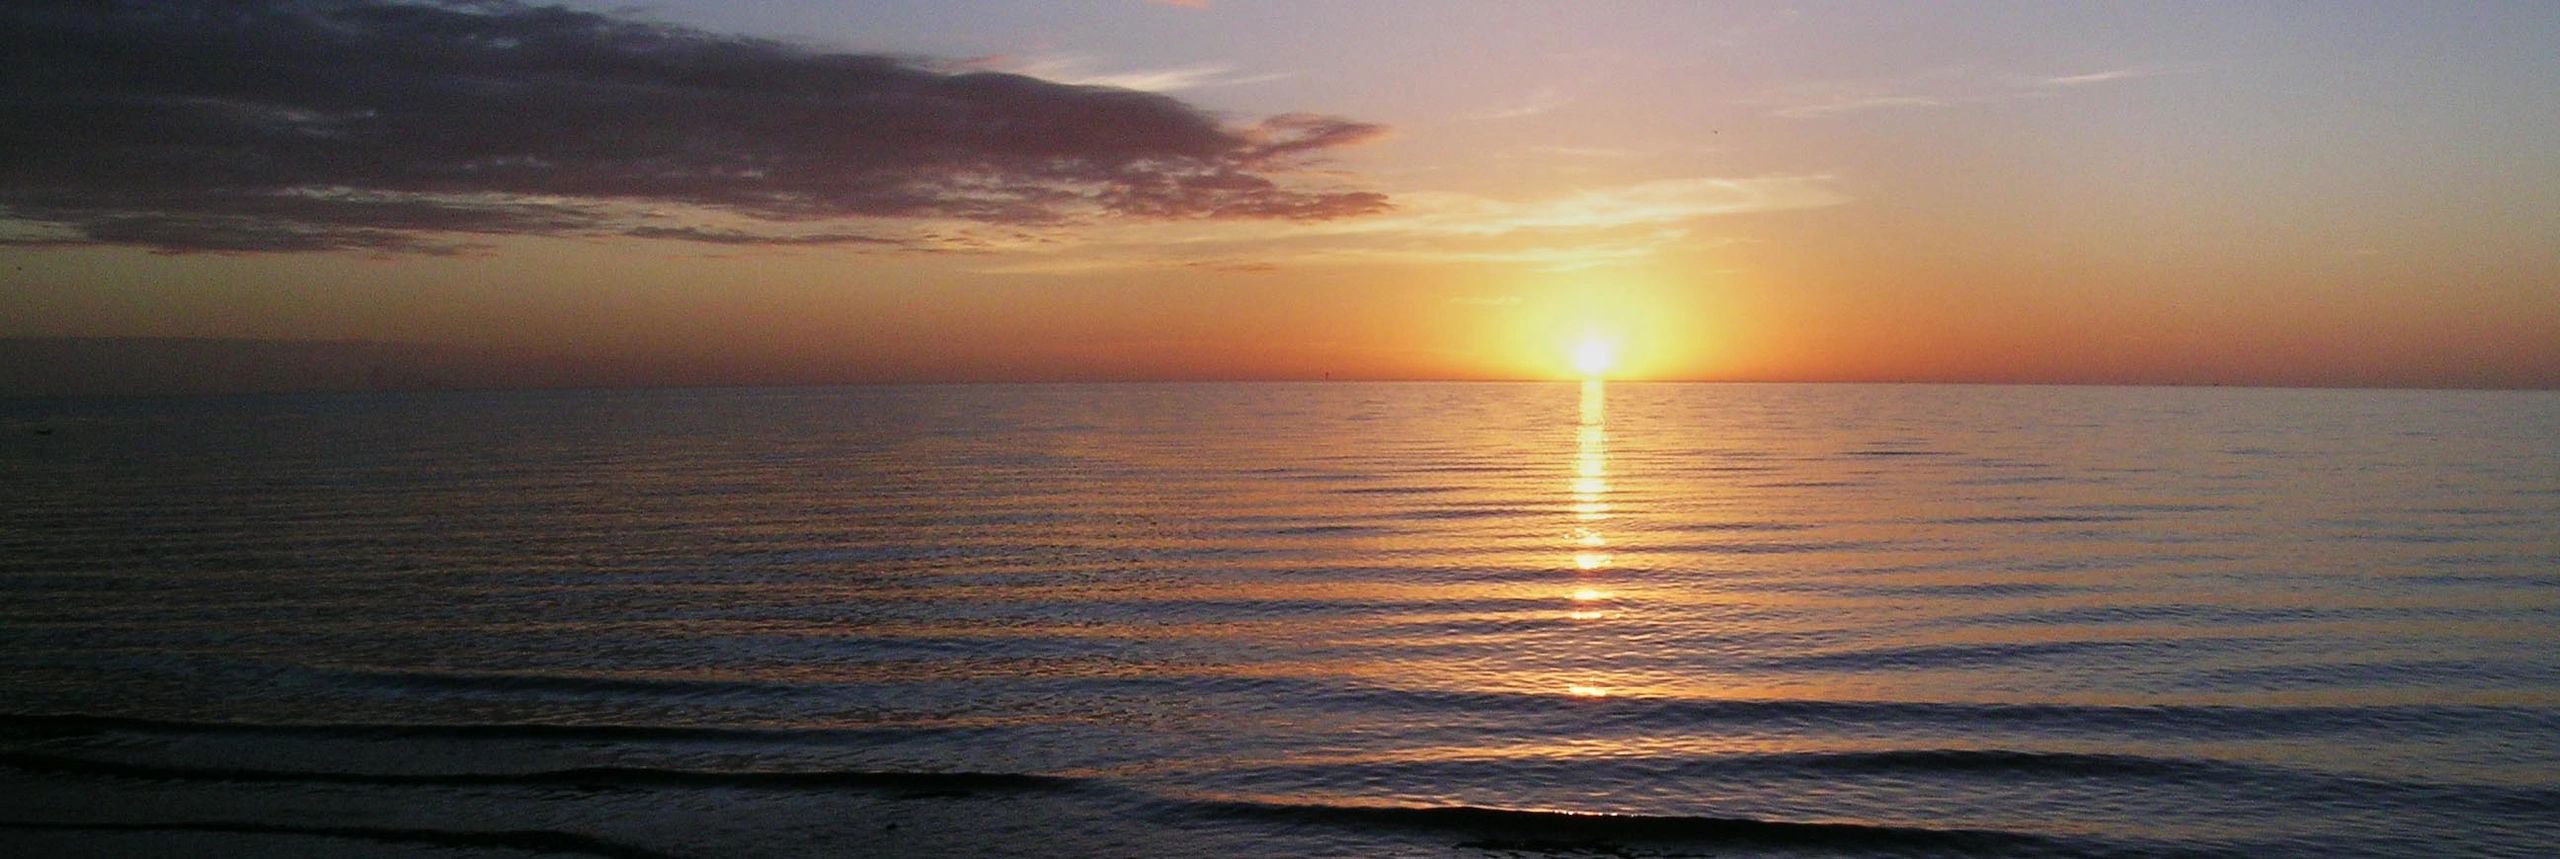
x=1591 y=480
x=1590 y=492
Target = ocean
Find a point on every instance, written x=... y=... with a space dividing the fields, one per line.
x=1326 y=619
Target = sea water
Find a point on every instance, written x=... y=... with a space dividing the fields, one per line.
x=1284 y=620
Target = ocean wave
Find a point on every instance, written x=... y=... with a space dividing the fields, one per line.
x=565 y=684
x=1951 y=769
x=1432 y=767
x=43 y=725
x=1399 y=490
x=526 y=840
x=1318 y=530
x=2157 y=507
x=1761 y=547
x=1429 y=514
x=1713 y=527
x=2196 y=722
x=908 y=782
x=2037 y=519
x=1958 y=655
x=1554 y=831
x=1993 y=590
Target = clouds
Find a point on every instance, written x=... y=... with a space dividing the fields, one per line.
x=1584 y=228
x=1638 y=205
x=203 y=125
x=2127 y=73
x=1945 y=88
x=1539 y=101
x=1080 y=70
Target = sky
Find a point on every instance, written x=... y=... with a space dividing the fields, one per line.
x=803 y=192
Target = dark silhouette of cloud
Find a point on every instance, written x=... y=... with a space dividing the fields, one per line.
x=295 y=125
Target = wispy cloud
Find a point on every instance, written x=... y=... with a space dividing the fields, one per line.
x=1600 y=152
x=1935 y=90
x=1084 y=71
x=307 y=125
x=1664 y=201
x=1861 y=104
x=2128 y=73
x=1588 y=228
x=1538 y=101
x=1576 y=256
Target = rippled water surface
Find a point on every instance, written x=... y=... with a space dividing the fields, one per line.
x=1288 y=620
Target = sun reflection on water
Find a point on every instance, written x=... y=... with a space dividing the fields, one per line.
x=1591 y=479
x=1590 y=492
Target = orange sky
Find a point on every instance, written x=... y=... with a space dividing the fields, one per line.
x=1997 y=192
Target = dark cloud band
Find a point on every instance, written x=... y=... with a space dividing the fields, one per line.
x=216 y=125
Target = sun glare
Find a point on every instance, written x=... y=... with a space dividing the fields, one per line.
x=1594 y=357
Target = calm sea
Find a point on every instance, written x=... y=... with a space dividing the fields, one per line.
x=1284 y=620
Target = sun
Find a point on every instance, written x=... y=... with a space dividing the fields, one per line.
x=1593 y=357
